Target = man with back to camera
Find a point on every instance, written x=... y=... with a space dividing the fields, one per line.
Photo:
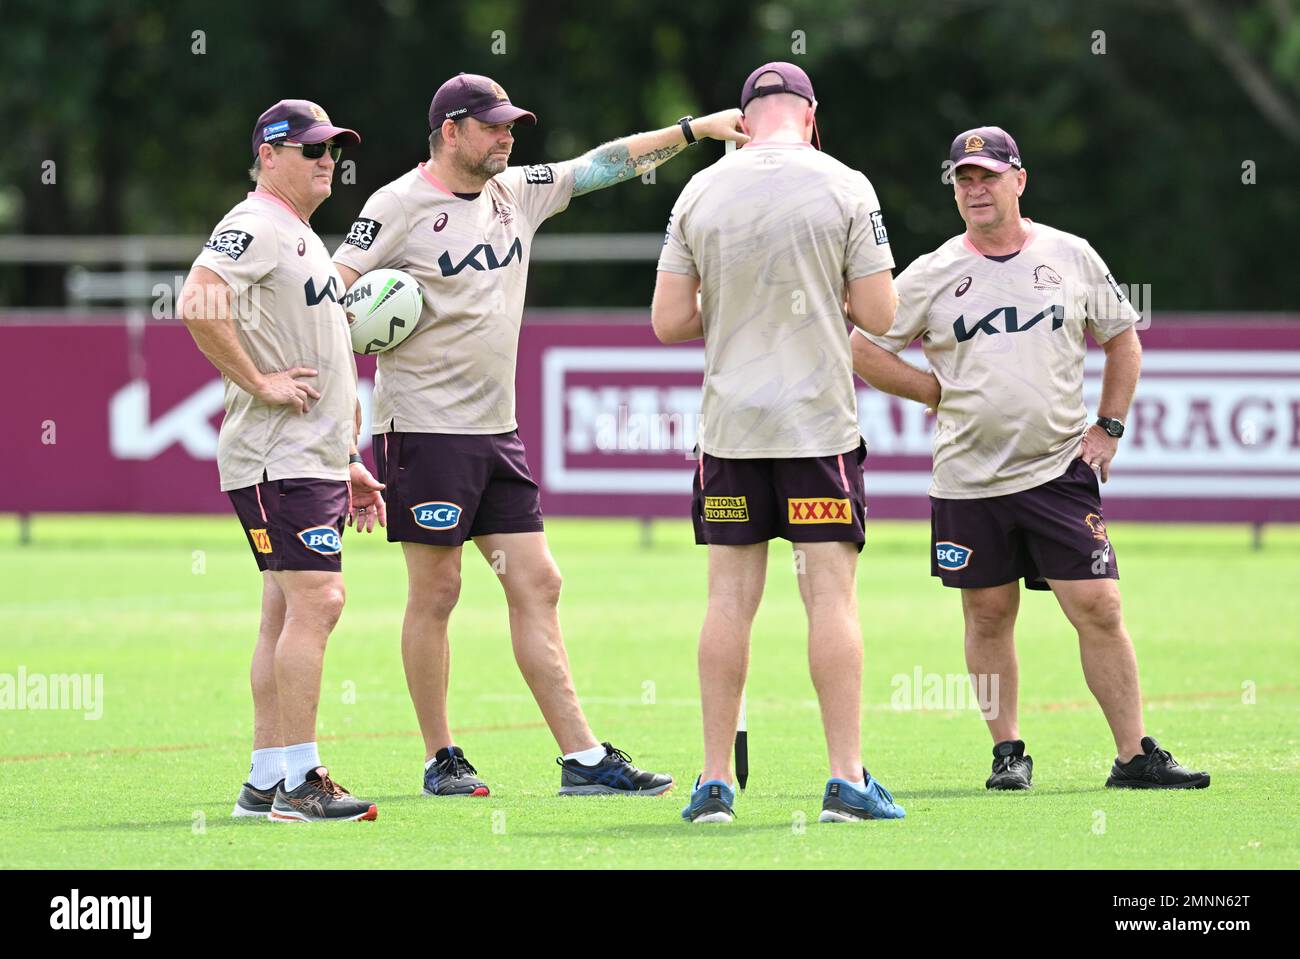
x=446 y=443
x=1001 y=312
x=764 y=251
x=285 y=442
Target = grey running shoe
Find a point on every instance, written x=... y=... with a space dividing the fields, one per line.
x=319 y=799
x=254 y=803
x=612 y=776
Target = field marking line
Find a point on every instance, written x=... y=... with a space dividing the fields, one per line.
x=184 y=747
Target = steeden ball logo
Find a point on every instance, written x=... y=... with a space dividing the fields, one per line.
x=436 y=515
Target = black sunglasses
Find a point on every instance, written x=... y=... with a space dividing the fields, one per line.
x=314 y=151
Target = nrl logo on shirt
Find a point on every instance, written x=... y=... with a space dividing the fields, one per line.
x=233 y=243
x=363 y=232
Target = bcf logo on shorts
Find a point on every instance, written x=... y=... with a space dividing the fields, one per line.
x=819 y=511
x=321 y=539
x=436 y=515
x=952 y=556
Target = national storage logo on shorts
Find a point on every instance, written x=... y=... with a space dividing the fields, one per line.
x=436 y=515
x=321 y=539
x=725 y=509
x=804 y=511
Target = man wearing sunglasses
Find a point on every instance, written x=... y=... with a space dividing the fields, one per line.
x=262 y=303
x=462 y=224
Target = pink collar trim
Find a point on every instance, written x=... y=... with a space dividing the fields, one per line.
x=433 y=180
x=1029 y=238
x=263 y=195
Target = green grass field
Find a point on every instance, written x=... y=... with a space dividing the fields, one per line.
x=151 y=783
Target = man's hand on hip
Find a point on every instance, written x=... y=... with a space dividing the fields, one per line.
x=1098 y=449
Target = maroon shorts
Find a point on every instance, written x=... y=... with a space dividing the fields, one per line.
x=1053 y=531
x=445 y=488
x=813 y=499
x=294 y=523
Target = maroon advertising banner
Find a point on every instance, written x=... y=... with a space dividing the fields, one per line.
x=104 y=416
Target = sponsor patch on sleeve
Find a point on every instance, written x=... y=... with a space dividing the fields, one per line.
x=233 y=243
x=363 y=232
x=878 y=227
x=1119 y=290
x=540 y=173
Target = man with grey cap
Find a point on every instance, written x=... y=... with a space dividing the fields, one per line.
x=769 y=251
x=446 y=444
x=1001 y=311
x=262 y=303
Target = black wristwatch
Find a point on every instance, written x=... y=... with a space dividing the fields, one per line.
x=685 y=124
x=355 y=458
x=1113 y=427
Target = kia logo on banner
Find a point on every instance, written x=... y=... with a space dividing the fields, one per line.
x=610 y=418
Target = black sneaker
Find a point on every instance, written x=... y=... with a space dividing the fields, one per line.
x=612 y=776
x=254 y=803
x=319 y=799
x=1012 y=769
x=1155 y=769
x=452 y=775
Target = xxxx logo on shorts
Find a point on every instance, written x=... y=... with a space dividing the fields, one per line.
x=819 y=511
x=726 y=509
x=952 y=556
x=321 y=539
x=436 y=515
x=261 y=542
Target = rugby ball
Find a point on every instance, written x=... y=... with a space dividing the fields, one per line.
x=383 y=307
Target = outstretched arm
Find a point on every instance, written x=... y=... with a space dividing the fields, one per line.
x=630 y=157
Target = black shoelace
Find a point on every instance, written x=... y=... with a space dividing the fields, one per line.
x=615 y=751
x=455 y=766
x=1004 y=763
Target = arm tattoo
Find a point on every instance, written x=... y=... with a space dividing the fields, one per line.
x=612 y=163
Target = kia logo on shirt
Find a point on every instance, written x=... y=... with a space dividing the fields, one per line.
x=436 y=515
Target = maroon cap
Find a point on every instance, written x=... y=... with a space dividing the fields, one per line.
x=793 y=80
x=989 y=147
x=470 y=95
x=300 y=121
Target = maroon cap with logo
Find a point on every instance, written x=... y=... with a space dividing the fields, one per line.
x=470 y=95
x=300 y=121
x=989 y=147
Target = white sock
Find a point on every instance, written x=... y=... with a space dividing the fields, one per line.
x=857 y=783
x=588 y=757
x=267 y=768
x=299 y=760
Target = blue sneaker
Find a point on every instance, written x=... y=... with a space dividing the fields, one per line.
x=845 y=802
x=710 y=802
x=612 y=776
x=451 y=774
